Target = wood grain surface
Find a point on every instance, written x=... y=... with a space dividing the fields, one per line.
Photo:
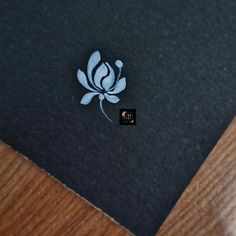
x=33 y=203
x=208 y=205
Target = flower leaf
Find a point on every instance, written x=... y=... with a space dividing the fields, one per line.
x=87 y=98
x=119 y=87
x=93 y=61
x=111 y=98
x=83 y=80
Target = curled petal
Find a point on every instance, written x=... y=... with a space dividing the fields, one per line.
x=101 y=72
x=111 y=98
x=109 y=80
x=119 y=86
x=86 y=99
x=93 y=61
x=83 y=80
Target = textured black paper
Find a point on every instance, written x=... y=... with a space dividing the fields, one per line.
x=179 y=60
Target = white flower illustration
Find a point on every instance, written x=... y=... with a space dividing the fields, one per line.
x=102 y=82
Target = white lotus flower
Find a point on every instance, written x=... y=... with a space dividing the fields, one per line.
x=102 y=82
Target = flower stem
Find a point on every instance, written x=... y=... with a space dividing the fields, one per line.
x=101 y=107
x=119 y=74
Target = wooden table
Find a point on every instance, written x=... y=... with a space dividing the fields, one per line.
x=33 y=203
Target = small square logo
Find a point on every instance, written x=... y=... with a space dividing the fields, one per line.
x=127 y=116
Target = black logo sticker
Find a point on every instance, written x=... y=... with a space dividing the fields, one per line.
x=127 y=116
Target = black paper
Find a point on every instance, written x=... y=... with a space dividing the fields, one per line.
x=179 y=61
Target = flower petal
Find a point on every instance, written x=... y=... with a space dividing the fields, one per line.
x=119 y=86
x=109 y=80
x=83 y=80
x=86 y=99
x=101 y=72
x=111 y=98
x=93 y=61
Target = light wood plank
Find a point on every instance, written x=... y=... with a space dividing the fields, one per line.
x=208 y=205
x=34 y=203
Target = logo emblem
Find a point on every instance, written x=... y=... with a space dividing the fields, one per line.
x=102 y=81
x=127 y=116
